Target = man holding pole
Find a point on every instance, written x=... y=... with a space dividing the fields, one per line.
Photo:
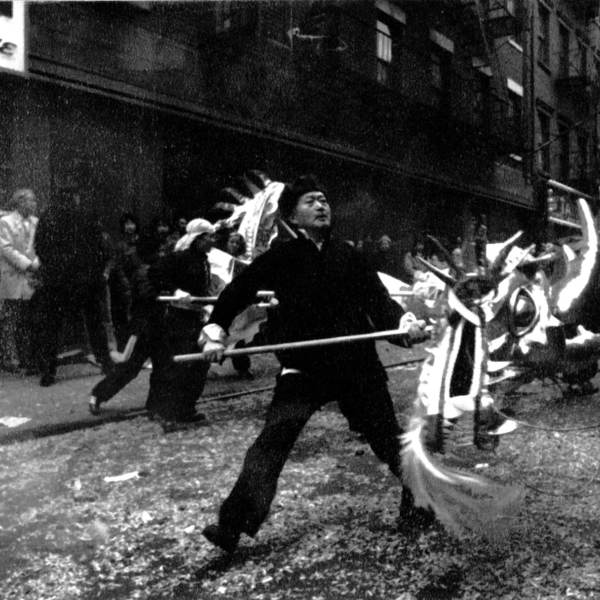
x=324 y=289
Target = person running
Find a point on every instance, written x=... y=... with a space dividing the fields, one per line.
x=159 y=332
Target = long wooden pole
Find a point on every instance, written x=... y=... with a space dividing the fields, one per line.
x=213 y=299
x=346 y=339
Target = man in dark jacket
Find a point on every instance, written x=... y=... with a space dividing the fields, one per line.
x=73 y=257
x=159 y=331
x=325 y=289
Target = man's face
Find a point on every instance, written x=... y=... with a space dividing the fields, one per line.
x=312 y=212
x=27 y=205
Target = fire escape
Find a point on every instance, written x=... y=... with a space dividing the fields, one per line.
x=578 y=84
x=487 y=25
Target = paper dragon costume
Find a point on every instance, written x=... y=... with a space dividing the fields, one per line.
x=509 y=321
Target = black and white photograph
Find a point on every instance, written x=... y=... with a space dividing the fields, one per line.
x=299 y=300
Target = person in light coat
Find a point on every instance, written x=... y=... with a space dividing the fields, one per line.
x=18 y=263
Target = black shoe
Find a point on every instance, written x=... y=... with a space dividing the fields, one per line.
x=47 y=379
x=195 y=418
x=411 y=516
x=94 y=406
x=417 y=518
x=225 y=540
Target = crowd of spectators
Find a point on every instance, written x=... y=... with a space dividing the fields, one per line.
x=62 y=270
x=391 y=257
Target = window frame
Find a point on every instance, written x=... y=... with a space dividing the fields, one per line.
x=543 y=35
x=564 y=129
x=544 y=117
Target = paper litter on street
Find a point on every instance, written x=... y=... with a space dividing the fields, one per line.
x=122 y=477
x=13 y=421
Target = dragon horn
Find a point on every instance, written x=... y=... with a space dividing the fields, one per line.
x=574 y=293
x=498 y=264
x=447 y=279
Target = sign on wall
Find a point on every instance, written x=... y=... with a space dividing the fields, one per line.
x=12 y=36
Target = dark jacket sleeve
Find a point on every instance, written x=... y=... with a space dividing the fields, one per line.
x=241 y=292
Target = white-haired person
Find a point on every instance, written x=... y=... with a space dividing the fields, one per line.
x=161 y=330
x=18 y=263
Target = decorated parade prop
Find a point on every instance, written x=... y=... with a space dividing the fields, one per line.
x=512 y=317
x=505 y=317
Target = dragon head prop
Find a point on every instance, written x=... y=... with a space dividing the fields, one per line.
x=511 y=317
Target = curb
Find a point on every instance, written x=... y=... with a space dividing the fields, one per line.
x=49 y=429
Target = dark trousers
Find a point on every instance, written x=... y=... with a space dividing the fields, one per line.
x=53 y=305
x=120 y=309
x=15 y=334
x=174 y=387
x=295 y=399
x=241 y=363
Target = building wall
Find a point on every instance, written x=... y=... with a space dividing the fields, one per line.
x=60 y=137
x=570 y=100
x=163 y=106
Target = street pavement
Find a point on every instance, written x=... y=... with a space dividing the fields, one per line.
x=63 y=406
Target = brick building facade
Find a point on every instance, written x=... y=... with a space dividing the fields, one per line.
x=416 y=115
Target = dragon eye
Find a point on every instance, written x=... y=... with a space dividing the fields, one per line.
x=523 y=312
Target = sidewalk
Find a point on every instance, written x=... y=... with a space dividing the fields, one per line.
x=62 y=407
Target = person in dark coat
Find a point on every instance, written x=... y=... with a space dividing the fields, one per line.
x=73 y=257
x=325 y=288
x=384 y=257
x=124 y=264
x=160 y=331
x=158 y=240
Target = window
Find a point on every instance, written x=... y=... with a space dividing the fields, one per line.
x=515 y=107
x=390 y=25
x=384 y=52
x=543 y=35
x=564 y=41
x=517 y=10
x=544 y=141
x=564 y=150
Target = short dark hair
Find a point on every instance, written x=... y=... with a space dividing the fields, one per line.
x=293 y=192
